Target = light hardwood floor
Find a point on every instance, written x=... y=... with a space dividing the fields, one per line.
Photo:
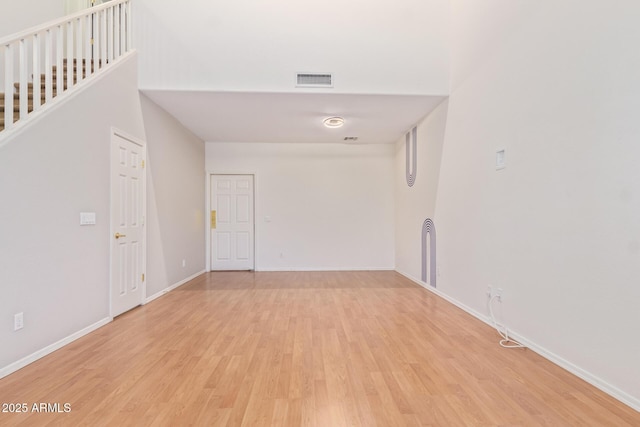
x=293 y=349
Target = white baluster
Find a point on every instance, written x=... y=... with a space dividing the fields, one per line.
x=103 y=38
x=116 y=32
x=48 y=71
x=37 y=94
x=128 y=29
x=87 y=36
x=70 y=55
x=8 y=86
x=123 y=25
x=59 y=59
x=23 y=72
x=79 y=57
x=110 y=32
x=96 y=40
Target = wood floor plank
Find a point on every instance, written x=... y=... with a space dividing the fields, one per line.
x=303 y=349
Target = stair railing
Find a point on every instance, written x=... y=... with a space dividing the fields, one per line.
x=44 y=61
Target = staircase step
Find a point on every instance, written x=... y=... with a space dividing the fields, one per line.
x=42 y=86
x=75 y=69
x=15 y=119
x=75 y=61
x=16 y=97
x=54 y=79
x=75 y=66
x=16 y=110
x=16 y=105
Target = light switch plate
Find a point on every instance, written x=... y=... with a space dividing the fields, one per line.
x=18 y=321
x=87 y=218
x=500 y=160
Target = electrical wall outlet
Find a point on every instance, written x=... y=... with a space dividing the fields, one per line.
x=184 y=262
x=494 y=292
x=18 y=321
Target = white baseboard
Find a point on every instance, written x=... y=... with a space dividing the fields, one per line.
x=51 y=348
x=324 y=269
x=172 y=287
x=595 y=381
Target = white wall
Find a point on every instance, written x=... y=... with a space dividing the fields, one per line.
x=556 y=85
x=331 y=206
x=20 y=15
x=57 y=272
x=175 y=199
x=72 y=6
x=371 y=47
x=52 y=269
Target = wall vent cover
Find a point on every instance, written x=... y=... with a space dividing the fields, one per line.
x=314 y=80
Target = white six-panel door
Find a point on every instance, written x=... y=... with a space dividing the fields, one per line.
x=127 y=223
x=232 y=225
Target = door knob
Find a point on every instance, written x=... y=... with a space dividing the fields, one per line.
x=118 y=235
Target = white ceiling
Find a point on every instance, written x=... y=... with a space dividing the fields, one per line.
x=226 y=69
x=294 y=117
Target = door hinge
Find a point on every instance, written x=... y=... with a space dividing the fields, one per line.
x=143 y=164
x=143 y=277
x=92 y=42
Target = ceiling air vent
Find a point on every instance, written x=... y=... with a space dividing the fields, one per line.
x=350 y=138
x=314 y=80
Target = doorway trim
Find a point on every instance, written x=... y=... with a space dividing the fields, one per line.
x=207 y=222
x=143 y=291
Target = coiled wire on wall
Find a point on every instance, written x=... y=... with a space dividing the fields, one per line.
x=505 y=342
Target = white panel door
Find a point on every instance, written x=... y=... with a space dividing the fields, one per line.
x=127 y=224
x=232 y=226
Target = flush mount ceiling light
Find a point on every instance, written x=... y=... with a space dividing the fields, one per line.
x=333 y=122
